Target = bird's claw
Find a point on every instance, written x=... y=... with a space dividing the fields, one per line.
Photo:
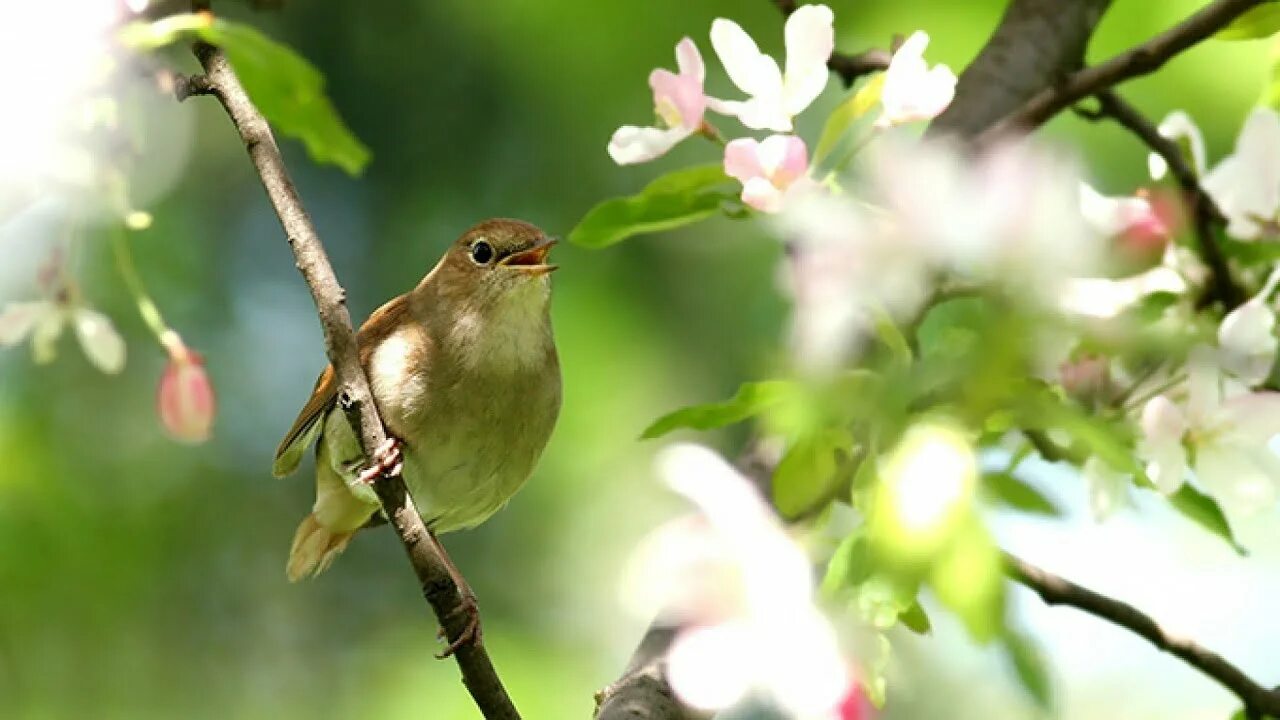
x=469 y=635
x=387 y=460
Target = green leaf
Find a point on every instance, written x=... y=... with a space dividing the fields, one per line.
x=1205 y=512
x=845 y=115
x=1251 y=253
x=892 y=338
x=751 y=400
x=848 y=566
x=968 y=577
x=287 y=89
x=1259 y=22
x=953 y=327
x=915 y=619
x=1007 y=489
x=806 y=474
x=673 y=200
x=1029 y=666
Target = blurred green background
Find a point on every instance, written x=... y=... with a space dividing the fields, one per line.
x=141 y=579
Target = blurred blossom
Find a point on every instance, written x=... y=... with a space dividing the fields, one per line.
x=737 y=585
x=1106 y=298
x=185 y=399
x=1178 y=126
x=1010 y=217
x=769 y=170
x=775 y=96
x=1246 y=184
x=1086 y=378
x=913 y=91
x=1107 y=488
x=1229 y=429
x=1143 y=225
x=44 y=321
x=929 y=480
x=679 y=102
x=1246 y=337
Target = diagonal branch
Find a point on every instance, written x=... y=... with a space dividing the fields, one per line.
x=1204 y=211
x=1141 y=60
x=1055 y=590
x=220 y=80
x=848 y=67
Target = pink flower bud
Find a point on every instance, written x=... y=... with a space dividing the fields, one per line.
x=185 y=400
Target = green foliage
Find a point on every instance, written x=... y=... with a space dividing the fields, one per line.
x=1205 y=512
x=676 y=199
x=287 y=89
x=1259 y=22
x=807 y=474
x=1029 y=666
x=1007 y=489
x=845 y=115
x=915 y=619
x=953 y=328
x=751 y=400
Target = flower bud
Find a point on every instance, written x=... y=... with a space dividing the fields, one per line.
x=185 y=400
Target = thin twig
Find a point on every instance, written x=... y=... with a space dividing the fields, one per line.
x=1055 y=590
x=1141 y=60
x=848 y=67
x=478 y=673
x=1204 y=211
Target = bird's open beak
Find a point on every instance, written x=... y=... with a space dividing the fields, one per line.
x=533 y=260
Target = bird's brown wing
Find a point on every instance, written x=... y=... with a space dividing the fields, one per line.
x=307 y=426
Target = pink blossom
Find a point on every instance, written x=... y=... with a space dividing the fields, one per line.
x=912 y=90
x=767 y=169
x=679 y=102
x=185 y=400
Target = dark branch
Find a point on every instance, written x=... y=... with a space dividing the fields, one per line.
x=848 y=67
x=1204 y=213
x=1036 y=44
x=1055 y=590
x=1141 y=60
x=439 y=589
x=642 y=693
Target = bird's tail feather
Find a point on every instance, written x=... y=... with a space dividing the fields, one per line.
x=314 y=548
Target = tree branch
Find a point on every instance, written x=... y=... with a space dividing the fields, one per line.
x=1141 y=60
x=1055 y=590
x=1203 y=210
x=355 y=399
x=642 y=693
x=848 y=67
x=1036 y=43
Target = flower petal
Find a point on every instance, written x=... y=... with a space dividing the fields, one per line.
x=911 y=90
x=185 y=399
x=678 y=99
x=1163 y=426
x=19 y=318
x=784 y=159
x=1178 y=125
x=1244 y=480
x=762 y=195
x=1108 y=489
x=1246 y=185
x=631 y=144
x=810 y=38
x=710 y=667
x=755 y=73
x=742 y=159
x=44 y=337
x=1248 y=342
x=102 y=344
x=689 y=60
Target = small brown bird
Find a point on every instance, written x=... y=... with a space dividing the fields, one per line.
x=464 y=371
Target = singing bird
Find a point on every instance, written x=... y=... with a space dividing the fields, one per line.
x=464 y=372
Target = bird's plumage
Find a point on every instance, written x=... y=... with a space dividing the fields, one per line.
x=464 y=371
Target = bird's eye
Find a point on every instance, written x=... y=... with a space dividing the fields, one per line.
x=481 y=252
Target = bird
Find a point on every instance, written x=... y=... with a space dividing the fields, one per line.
x=464 y=371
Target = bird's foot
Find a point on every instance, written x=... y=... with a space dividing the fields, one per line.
x=471 y=634
x=387 y=460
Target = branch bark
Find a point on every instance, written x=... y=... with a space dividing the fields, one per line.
x=478 y=673
x=1204 y=212
x=642 y=692
x=1053 y=97
x=1055 y=590
x=1036 y=43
